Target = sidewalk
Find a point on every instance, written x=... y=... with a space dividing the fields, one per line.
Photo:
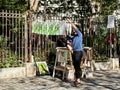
x=102 y=80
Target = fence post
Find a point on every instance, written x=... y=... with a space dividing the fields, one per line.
x=30 y=34
x=26 y=39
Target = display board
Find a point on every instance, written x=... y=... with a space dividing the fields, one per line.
x=54 y=27
x=42 y=68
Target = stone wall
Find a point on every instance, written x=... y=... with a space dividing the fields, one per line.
x=111 y=64
x=29 y=70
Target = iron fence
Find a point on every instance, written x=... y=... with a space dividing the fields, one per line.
x=18 y=43
x=12 y=36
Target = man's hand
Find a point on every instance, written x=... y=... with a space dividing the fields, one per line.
x=69 y=21
x=73 y=25
x=70 y=48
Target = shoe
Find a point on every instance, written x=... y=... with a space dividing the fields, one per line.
x=77 y=84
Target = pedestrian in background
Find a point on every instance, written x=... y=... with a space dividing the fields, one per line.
x=110 y=39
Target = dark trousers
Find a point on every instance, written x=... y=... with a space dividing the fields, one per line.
x=76 y=57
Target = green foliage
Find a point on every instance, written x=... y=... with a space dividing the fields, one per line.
x=108 y=6
x=64 y=6
x=8 y=58
x=2 y=41
x=97 y=40
x=20 y=5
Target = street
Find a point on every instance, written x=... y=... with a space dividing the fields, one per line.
x=102 y=80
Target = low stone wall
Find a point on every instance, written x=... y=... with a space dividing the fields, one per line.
x=111 y=64
x=29 y=70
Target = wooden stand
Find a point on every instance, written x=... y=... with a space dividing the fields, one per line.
x=86 y=64
x=63 y=59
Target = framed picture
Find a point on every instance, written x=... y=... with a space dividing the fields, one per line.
x=42 y=68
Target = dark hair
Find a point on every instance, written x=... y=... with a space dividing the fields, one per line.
x=78 y=26
x=61 y=42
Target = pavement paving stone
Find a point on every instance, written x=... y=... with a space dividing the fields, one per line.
x=102 y=80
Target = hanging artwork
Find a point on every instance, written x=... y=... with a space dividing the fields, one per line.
x=48 y=27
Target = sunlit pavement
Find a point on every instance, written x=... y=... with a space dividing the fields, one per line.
x=102 y=80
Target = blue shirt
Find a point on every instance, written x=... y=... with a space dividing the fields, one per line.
x=76 y=40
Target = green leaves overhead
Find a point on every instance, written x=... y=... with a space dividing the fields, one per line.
x=20 y=5
x=108 y=6
x=67 y=7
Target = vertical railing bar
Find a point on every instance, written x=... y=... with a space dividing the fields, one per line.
x=7 y=29
x=19 y=30
x=36 y=47
x=12 y=34
x=39 y=45
x=36 y=44
x=9 y=23
x=6 y=35
x=3 y=27
x=42 y=52
x=16 y=28
x=22 y=39
x=22 y=52
x=22 y=35
x=50 y=36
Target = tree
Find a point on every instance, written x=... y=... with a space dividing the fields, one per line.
x=58 y=7
x=107 y=6
x=20 y=5
x=77 y=7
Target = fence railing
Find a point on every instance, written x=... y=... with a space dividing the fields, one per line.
x=17 y=42
x=12 y=36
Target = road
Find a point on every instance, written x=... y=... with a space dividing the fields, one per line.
x=102 y=80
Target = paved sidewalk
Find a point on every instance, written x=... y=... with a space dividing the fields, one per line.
x=102 y=80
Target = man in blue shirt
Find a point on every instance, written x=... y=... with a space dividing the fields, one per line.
x=76 y=39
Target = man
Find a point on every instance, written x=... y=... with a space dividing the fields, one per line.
x=76 y=39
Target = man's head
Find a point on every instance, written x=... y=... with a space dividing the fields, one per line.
x=78 y=26
x=73 y=32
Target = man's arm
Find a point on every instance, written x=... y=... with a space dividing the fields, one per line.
x=75 y=28
x=73 y=25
